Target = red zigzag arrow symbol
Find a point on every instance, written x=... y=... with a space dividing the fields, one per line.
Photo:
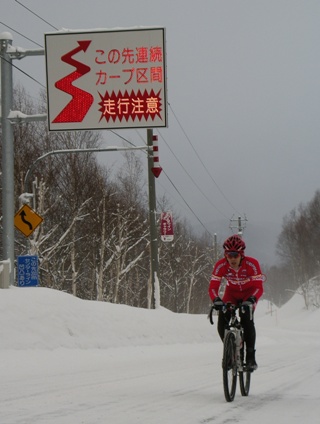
x=81 y=100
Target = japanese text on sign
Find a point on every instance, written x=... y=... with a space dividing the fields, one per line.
x=27 y=271
x=166 y=226
x=142 y=75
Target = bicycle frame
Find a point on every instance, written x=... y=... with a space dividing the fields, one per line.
x=234 y=325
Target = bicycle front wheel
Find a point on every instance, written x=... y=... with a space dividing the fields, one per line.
x=244 y=380
x=229 y=367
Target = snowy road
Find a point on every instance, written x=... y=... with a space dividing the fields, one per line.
x=165 y=383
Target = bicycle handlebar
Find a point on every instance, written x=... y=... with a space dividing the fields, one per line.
x=228 y=307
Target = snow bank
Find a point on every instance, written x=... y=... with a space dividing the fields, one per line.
x=41 y=318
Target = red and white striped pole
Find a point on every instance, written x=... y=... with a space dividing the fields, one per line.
x=156 y=169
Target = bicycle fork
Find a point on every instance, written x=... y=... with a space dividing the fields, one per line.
x=239 y=349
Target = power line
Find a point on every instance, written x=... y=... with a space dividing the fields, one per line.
x=23 y=72
x=199 y=188
x=29 y=10
x=171 y=182
x=196 y=153
x=186 y=203
x=174 y=186
x=123 y=138
x=17 y=32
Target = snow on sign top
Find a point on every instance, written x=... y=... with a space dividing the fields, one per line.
x=106 y=79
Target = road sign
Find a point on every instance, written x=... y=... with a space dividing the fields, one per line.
x=106 y=79
x=27 y=220
x=166 y=222
x=27 y=271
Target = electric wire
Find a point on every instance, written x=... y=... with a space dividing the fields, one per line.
x=194 y=182
x=29 y=10
x=173 y=185
x=19 y=33
x=123 y=138
x=196 y=153
x=23 y=72
x=187 y=204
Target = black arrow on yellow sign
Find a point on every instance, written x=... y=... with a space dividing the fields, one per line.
x=23 y=218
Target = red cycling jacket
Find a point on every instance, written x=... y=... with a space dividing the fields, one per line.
x=241 y=284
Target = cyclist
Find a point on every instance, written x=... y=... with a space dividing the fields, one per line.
x=244 y=283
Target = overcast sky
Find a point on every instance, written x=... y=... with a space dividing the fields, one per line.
x=243 y=88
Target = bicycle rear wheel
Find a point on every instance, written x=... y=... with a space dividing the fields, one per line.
x=229 y=367
x=244 y=380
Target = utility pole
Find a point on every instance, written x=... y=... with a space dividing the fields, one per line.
x=155 y=290
x=239 y=224
x=215 y=248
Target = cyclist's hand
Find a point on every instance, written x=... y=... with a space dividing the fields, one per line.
x=218 y=303
x=250 y=302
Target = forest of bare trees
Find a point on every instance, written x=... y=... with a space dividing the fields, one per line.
x=94 y=241
x=299 y=250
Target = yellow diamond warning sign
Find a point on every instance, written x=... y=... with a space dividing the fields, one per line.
x=27 y=220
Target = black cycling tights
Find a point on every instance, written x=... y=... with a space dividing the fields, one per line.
x=247 y=324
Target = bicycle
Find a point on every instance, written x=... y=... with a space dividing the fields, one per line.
x=233 y=354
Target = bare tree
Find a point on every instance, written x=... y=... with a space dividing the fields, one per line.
x=299 y=246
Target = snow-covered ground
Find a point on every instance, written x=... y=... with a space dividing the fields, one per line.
x=68 y=361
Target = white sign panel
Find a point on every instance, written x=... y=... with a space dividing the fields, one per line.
x=106 y=79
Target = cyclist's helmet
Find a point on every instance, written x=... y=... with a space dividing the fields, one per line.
x=234 y=244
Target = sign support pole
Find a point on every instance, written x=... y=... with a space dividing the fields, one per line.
x=8 y=53
x=155 y=294
x=7 y=153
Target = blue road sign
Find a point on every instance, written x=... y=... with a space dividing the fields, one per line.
x=28 y=271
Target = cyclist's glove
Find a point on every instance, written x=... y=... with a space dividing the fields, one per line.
x=217 y=303
x=250 y=302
